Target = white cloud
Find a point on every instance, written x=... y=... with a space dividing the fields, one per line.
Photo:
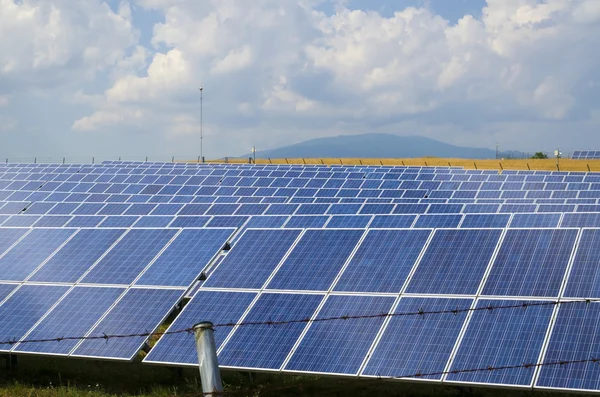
x=4 y=101
x=280 y=71
x=52 y=42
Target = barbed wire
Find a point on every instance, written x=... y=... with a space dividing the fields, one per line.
x=519 y=304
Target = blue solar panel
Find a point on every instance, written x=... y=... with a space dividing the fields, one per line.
x=190 y=221
x=339 y=346
x=31 y=252
x=183 y=260
x=454 y=261
x=6 y=289
x=72 y=317
x=581 y=220
x=119 y=221
x=24 y=308
x=52 y=221
x=418 y=343
x=383 y=261
x=153 y=221
x=252 y=259
x=9 y=236
x=497 y=338
x=85 y=221
x=573 y=338
x=374 y=209
x=264 y=346
x=411 y=208
x=281 y=209
x=392 y=221
x=227 y=221
x=531 y=262
x=584 y=278
x=307 y=221
x=485 y=220
x=266 y=221
x=438 y=221
x=316 y=259
x=535 y=220
x=140 y=310
x=214 y=306
x=21 y=221
x=11 y=208
x=129 y=256
x=348 y=221
x=77 y=256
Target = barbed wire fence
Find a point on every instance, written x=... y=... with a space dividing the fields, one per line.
x=519 y=304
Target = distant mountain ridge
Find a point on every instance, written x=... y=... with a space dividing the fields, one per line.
x=377 y=145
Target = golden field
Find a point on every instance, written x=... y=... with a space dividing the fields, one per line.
x=492 y=164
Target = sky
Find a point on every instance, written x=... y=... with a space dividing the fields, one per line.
x=121 y=79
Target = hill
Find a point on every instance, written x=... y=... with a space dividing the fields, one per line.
x=378 y=146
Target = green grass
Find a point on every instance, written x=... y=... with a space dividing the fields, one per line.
x=60 y=377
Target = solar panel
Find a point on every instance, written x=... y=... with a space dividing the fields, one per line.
x=392 y=221
x=499 y=338
x=531 y=262
x=383 y=261
x=9 y=236
x=132 y=314
x=418 y=343
x=339 y=346
x=252 y=259
x=264 y=346
x=348 y=221
x=535 y=220
x=188 y=254
x=266 y=221
x=72 y=317
x=316 y=259
x=30 y=252
x=24 y=308
x=485 y=221
x=307 y=221
x=216 y=306
x=438 y=221
x=129 y=256
x=573 y=338
x=454 y=261
x=77 y=255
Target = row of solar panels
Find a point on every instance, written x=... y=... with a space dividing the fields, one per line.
x=513 y=220
x=361 y=208
x=586 y=154
x=264 y=178
x=524 y=263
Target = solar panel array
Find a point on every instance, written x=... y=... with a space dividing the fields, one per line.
x=586 y=155
x=114 y=249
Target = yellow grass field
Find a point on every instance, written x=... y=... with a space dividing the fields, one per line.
x=505 y=164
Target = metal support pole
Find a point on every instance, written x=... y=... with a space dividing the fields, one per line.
x=210 y=375
x=201 y=148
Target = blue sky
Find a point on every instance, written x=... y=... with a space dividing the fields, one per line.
x=116 y=78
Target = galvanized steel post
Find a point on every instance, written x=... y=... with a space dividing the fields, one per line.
x=210 y=375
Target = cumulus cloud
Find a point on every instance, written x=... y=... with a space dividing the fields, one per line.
x=281 y=71
x=45 y=43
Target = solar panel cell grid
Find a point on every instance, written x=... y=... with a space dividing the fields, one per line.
x=418 y=344
x=264 y=346
x=219 y=307
x=340 y=347
x=316 y=260
x=488 y=334
x=454 y=261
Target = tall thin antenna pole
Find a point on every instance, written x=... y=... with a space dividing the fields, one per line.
x=201 y=151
